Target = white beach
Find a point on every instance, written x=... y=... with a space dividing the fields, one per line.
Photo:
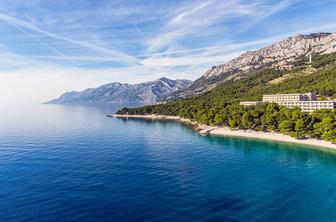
x=224 y=131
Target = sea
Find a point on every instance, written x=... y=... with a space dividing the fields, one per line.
x=73 y=163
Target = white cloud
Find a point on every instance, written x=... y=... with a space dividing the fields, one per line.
x=188 y=60
x=118 y=56
x=199 y=18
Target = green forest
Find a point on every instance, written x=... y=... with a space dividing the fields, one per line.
x=220 y=106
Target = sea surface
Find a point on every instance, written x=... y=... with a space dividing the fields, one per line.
x=72 y=163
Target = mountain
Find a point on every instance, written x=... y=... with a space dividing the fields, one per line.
x=220 y=106
x=318 y=77
x=279 y=55
x=143 y=93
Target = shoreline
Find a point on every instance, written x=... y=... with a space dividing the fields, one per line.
x=225 y=131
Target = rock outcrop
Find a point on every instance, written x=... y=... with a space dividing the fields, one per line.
x=285 y=51
x=281 y=54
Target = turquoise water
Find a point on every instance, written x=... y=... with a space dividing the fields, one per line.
x=71 y=163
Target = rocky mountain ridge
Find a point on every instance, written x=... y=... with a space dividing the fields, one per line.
x=117 y=93
x=280 y=54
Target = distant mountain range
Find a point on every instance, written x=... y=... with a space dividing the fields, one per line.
x=280 y=55
x=277 y=55
x=117 y=93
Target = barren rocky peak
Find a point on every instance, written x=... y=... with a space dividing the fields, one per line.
x=279 y=54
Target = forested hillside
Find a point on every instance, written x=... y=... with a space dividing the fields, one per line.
x=220 y=105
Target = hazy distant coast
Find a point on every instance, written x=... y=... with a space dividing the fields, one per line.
x=225 y=131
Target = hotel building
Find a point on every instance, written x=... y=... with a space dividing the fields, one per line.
x=279 y=98
x=306 y=101
x=250 y=103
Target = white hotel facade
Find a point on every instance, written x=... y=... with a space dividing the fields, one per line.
x=306 y=101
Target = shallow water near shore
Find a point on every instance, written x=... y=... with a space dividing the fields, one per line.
x=72 y=163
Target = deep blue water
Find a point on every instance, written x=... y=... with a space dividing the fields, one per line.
x=71 y=163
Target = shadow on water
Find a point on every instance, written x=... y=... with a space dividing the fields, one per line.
x=151 y=121
x=247 y=142
x=250 y=145
x=290 y=150
x=188 y=128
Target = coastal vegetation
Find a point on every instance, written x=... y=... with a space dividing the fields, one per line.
x=220 y=106
x=322 y=60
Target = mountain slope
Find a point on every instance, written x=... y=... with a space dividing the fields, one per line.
x=220 y=106
x=143 y=93
x=281 y=54
x=319 y=77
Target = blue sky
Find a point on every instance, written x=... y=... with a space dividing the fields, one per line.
x=47 y=47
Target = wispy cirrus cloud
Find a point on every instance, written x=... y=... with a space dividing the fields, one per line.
x=204 y=16
x=116 y=55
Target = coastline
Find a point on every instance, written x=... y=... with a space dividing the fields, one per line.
x=225 y=131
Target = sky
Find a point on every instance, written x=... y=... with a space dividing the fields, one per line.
x=49 y=47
